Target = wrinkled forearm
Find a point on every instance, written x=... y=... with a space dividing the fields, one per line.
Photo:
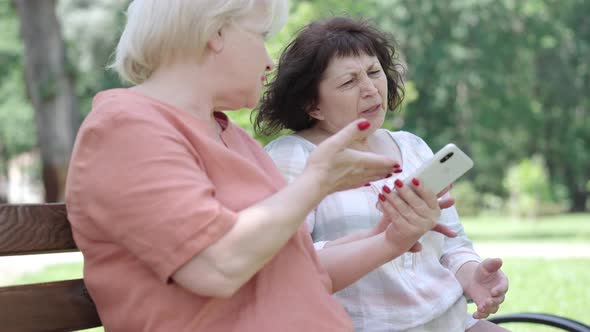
x=350 y=238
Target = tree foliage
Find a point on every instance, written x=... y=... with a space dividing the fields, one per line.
x=17 y=133
x=504 y=79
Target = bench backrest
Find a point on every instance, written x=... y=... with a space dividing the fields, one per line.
x=53 y=306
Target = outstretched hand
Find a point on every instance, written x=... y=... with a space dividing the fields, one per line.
x=488 y=287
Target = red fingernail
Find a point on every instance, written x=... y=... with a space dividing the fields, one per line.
x=399 y=183
x=416 y=182
x=363 y=125
x=396 y=166
x=386 y=189
x=397 y=171
x=388 y=176
x=382 y=197
x=367 y=185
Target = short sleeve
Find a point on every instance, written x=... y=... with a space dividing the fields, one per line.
x=146 y=191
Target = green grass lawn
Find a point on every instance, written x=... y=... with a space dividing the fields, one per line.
x=558 y=287
x=52 y=273
x=561 y=228
x=536 y=285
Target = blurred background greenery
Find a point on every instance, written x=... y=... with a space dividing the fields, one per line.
x=506 y=80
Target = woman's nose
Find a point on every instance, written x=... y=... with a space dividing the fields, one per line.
x=368 y=87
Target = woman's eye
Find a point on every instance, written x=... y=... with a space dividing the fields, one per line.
x=347 y=83
x=374 y=72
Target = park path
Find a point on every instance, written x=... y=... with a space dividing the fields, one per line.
x=534 y=249
x=13 y=267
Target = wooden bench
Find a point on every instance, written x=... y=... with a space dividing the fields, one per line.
x=53 y=306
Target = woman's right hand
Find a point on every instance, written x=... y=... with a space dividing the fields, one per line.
x=337 y=167
x=411 y=213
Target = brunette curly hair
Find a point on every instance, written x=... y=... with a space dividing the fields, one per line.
x=294 y=91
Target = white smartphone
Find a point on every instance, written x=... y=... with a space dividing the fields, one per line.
x=444 y=168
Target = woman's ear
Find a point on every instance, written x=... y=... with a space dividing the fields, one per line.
x=216 y=41
x=316 y=113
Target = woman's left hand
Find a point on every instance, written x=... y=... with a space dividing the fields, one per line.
x=417 y=197
x=440 y=228
x=488 y=287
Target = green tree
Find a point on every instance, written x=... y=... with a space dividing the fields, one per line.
x=91 y=30
x=50 y=88
x=17 y=131
x=562 y=84
x=503 y=79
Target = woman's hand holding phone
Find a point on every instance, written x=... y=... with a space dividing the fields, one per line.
x=412 y=210
x=413 y=207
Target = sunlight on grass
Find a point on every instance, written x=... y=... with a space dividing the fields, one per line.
x=556 y=287
x=52 y=273
x=562 y=228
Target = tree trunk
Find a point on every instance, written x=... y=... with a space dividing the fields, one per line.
x=577 y=191
x=3 y=175
x=579 y=199
x=50 y=88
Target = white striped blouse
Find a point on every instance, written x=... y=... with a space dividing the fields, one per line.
x=409 y=291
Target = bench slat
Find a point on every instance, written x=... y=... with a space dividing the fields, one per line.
x=54 y=306
x=34 y=229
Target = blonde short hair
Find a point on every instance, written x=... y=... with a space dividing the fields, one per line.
x=158 y=31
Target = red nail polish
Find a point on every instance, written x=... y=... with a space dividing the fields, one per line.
x=396 y=166
x=367 y=184
x=388 y=176
x=382 y=197
x=416 y=182
x=386 y=189
x=363 y=125
x=396 y=171
x=399 y=183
